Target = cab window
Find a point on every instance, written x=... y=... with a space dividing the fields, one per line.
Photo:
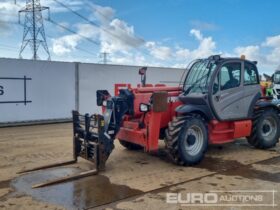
x=230 y=76
x=250 y=74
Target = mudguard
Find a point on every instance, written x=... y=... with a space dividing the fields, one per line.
x=268 y=104
x=253 y=105
x=200 y=109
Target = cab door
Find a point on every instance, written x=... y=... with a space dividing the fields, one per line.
x=227 y=94
x=252 y=88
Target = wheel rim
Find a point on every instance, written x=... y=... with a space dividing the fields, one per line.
x=269 y=128
x=194 y=140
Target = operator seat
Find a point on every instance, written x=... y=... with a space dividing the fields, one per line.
x=232 y=83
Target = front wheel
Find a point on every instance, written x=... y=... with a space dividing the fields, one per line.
x=187 y=139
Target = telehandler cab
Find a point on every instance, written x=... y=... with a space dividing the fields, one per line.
x=220 y=100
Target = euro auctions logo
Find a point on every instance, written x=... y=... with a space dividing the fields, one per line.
x=192 y=198
x=224 y=198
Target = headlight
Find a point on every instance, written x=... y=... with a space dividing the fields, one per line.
x=104 y=103
x=144 y=107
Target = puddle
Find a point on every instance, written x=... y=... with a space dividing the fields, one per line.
x=98 y=190
x=82 y=193
x=273 y=161
x=217 y=164
x=235 y=168
x=251 y=173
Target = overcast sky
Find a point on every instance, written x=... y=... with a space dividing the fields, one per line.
x=154 y=33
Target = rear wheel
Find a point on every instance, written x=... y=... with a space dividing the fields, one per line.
x=187 y=139
x=266 y=131
x=130 y=146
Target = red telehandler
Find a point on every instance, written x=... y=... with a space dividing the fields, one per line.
x=220 y=100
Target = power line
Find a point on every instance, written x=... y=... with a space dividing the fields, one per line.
x=72 y=31
x=68 y=29
x=108 y=19
x=92 y=23
x=89 y=21
x=76 y=47
x=63 y=27
x=104 y=29
x=7 y=46
x=7 y=21
x=56 y=24
x=14 y=48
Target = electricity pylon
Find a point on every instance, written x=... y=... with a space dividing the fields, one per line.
x=34 y=32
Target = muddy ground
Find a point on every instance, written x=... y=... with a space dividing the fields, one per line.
x=133 y=179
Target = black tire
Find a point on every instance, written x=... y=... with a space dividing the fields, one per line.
x=265 y=129
x=130 y=146
x=252 y=138
x=187 y=149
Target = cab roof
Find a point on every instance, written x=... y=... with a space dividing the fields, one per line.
x=218 y=58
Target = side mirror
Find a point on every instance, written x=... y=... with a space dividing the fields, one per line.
x=101 y=95
x=142 y=72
